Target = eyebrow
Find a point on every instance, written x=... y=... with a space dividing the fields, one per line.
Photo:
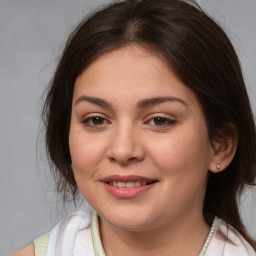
x=141 y=104
x=93 y=100
x=157 y=100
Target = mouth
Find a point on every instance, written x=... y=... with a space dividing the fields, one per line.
x=128 y=186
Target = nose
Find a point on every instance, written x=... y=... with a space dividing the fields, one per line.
x=125 y=146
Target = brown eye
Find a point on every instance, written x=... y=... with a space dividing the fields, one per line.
x=94 y=121
x=160 y=121
x=97 y=120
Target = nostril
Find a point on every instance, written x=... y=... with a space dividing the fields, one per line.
x=123 y=161
x=125 y=150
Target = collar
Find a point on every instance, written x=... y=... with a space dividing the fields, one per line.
x=98 y=248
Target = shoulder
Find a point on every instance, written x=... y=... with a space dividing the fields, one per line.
x=28 y=250
x=236 y=242
x=228 y=241
x=67 y=230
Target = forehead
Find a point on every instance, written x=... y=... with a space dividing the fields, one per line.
x=124 y=61
x=131 y=71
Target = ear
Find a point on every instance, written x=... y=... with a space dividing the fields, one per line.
x=224 y=149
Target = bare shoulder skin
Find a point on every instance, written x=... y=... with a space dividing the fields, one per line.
x=28 y=250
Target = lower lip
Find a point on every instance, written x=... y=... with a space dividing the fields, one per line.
x=127 y=193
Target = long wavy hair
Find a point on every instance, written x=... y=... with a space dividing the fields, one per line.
x=200 y=55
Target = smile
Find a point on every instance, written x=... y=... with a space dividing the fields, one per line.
x=130 y=184
x=128 y=187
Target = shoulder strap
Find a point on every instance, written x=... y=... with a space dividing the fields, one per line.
x=41 y=245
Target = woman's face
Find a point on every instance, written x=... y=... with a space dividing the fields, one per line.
x=138 y=141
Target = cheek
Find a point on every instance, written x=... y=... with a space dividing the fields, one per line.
x=86 y=152
x=183 y=153
x=170 y=156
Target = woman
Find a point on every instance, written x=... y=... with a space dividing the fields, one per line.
x=148 y=117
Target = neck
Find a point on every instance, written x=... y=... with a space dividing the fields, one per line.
x=175 y=238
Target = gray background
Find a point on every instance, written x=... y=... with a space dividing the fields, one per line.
x=32 y=33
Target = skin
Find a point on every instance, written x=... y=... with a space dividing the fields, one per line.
x=123 y=137
x=120 y=138
x=28 y=250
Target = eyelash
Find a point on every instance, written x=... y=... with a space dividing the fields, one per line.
x=164 y=121
x=91 y=119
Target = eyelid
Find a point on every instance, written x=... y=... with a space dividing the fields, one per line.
x=155 y=115
x=94 y=115
x=170 y=120
x=91 y=116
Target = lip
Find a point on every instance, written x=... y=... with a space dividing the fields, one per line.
x=127 y=178
x=128 y=193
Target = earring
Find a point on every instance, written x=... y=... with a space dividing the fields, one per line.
x=218 y=167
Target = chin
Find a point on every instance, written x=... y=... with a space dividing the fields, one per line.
x=129 y=220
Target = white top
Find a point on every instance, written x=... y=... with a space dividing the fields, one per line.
x=76 y=235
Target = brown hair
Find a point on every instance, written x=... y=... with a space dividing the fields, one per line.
x=201 y=56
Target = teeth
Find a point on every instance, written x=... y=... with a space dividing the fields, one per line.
x=130 y=184
x=121 y=184
x=137 y=183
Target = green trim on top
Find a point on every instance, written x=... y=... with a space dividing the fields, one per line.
x=41 y=245
x=98 y=248
x=210 y=235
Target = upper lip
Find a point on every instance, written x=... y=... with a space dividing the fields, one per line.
x=127 y=178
